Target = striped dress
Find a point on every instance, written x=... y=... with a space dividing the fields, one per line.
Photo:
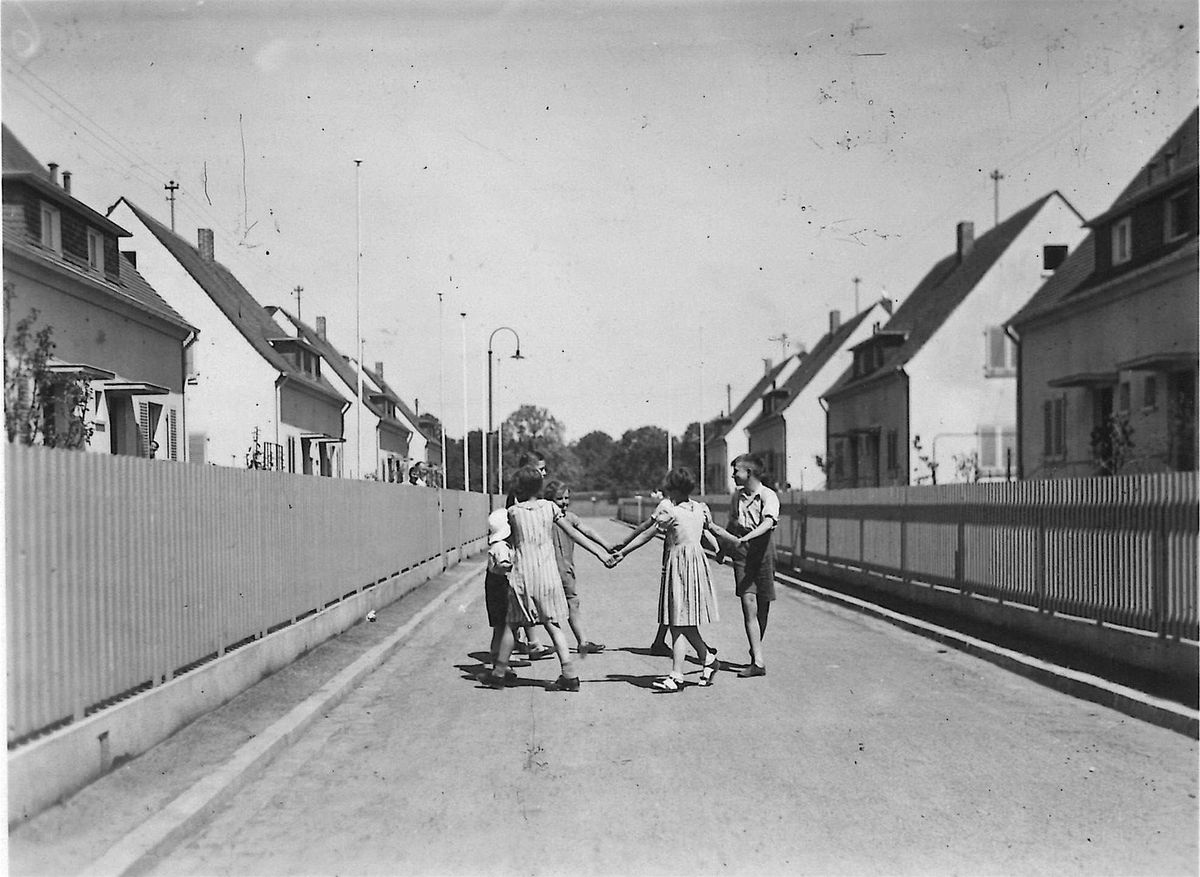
x=535 y=587
x=686 y=596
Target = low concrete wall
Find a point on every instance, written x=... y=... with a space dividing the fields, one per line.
x=1175 y=659
x=48 y=770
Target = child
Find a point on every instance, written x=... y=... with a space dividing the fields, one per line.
x=495 y=582
x=753 y=513
x=526 y=637
x=686 y=597
x=564 y=553
x=535 y=592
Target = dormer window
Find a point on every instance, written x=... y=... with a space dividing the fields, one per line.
x=51 y=229
x=310 y=363
x=1179 y=220
x=1122 y=240
x=95 y=245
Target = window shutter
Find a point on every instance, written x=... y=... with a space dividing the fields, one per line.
x=1060 y=426
x=172 y=436
x=997 y=355
x=1048 y=428
x=196 y=443
x=144 y=428
x=987 y=447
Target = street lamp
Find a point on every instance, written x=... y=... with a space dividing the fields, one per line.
x=499 y=446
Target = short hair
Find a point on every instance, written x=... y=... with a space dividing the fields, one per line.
x=751 y=462
x=680 y=480
x=528 y=458
x=554 y=489
x=527 y=483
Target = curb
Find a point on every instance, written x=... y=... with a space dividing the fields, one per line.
x=132 y=853
x=1148 y=708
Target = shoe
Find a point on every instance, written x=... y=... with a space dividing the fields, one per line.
x=493 y=680
x=660 y=650
x=562 y=683
x=517 y=662
x=541 y=654
x=708 y=673
x=752 y=670
x=667 y=683
x=591 y=648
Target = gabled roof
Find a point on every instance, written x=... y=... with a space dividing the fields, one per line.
x=1076 y=271
x=408 y=413
x=16 y=158
x=340 y=365
x=942 y=290
x=750 y=399
x=817 y=358
x=235 y=302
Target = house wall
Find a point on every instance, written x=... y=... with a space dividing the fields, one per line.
x=1157 y=313
x=231 y=388
x=883 y=403
x=769 y=441
x=951 y=398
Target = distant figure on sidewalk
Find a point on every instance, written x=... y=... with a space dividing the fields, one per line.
x=564 y=553
x=686 y=597
x=753 y=514
x=535 y=592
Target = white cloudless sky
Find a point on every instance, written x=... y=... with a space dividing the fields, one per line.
x=650 y=193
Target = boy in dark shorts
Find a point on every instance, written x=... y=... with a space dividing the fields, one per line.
x=495 y=581
x=753 y=514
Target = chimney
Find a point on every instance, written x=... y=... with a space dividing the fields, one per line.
x=204 y=237
x=767 y=365
x=379 y=368
x=53 y=172
x=67 y=182
x=321 y=328
x=835 y=321
x=966 y=239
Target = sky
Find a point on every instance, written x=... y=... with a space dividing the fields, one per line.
x=654 y=196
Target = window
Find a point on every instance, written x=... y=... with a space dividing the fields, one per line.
x=989 y=447
x=1123 y=396
x=1001 y=354
x=1150 y=392
x=1122 y=241
x=51 y=229
x=95 y=244
x=893 y=462
x=1054 y=426
x=1180 y=220
x=291 y=453
x=1053 y=255
x=172 y=436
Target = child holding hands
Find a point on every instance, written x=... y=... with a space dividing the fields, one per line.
x=535 y=594
x=686 y=596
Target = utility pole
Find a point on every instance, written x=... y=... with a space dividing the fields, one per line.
x=299 y=289
x=857 y=280
x=171 y=187
x=996 y=178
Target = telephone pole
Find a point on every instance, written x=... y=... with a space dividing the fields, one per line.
x=171 y=187
x=299 y=289
x=857 y=280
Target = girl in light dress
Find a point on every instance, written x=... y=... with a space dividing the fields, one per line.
x=535 y=589
x=686 y=596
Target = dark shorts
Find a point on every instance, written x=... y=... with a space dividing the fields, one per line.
x=495 y=595
x=754 y=571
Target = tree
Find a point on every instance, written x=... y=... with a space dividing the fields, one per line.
x=641 y=460
x=533 y=428
x=595 y=453
x=686 y=450
x=40 y=406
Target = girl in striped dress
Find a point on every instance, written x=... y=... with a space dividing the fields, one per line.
x=535 y=590
x=686 y=596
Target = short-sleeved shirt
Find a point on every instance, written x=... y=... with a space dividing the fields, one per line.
x=748 y=510
x=564 y=549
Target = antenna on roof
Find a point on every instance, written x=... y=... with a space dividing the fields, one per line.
x=996 y=178
x=782 y=338
x=857 y=280
x=171 y=187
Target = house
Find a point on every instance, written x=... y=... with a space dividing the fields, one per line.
x=418 y=445
x=729 y=439
x=117 y=343
x=1107 y=347
x=257 y=395
x=788 y=432
x=931 y=396
x=387 y=429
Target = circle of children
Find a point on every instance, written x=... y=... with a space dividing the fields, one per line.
x=530 y=581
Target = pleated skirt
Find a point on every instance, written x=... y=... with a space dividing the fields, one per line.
x=686 y=596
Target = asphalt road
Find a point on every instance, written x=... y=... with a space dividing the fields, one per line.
x=865 y=750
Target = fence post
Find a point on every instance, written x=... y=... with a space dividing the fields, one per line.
x=960 y=578
x=1158 y=571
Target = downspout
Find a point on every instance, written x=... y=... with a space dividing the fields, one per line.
x=183 y=352
x=821 y=400
x=1016 y=340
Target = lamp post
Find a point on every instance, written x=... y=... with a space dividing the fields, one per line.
x=487 y=441
x=466 y=434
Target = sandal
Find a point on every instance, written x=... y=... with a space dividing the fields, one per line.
x=708 y=673
x=562 y=683
x=590 y=648
x=667 y=683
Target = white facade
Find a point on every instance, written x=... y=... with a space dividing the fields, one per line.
x=962 y=415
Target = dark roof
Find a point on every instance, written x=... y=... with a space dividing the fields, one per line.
x=750 y=399
x=399 y=403
x=337 y=362
x=942 y=290
x=15 y=158
x=1076 y=271
x=235 y=302
x=817 y=358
